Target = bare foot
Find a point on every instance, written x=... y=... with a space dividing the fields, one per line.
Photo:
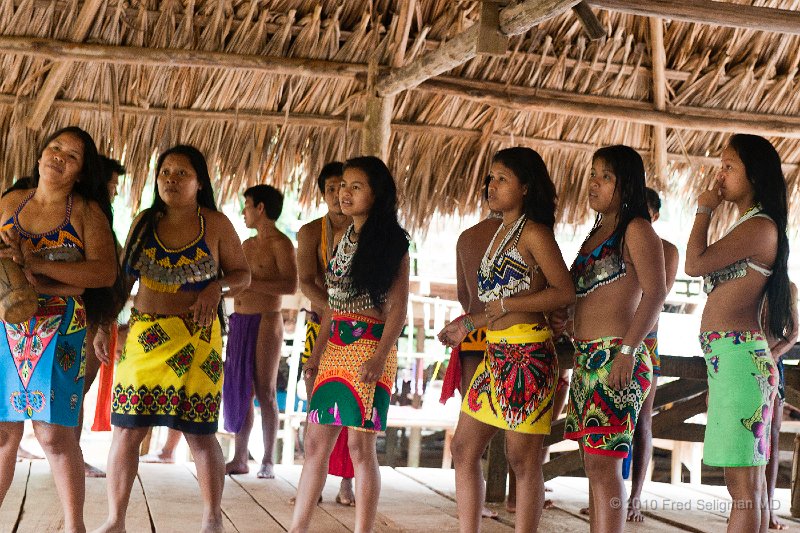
x=346 y=496
x=23 y=454
x=234 y=468
x=548 y=504
x=774 y=523
x=634 y=513
x=266 y=471
x=488 y=513
x=157 y=458
x=92 y=471
x=511 y=507
x=110 y=528
x=585 y=511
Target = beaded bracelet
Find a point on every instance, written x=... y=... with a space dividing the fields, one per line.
x=469 y=325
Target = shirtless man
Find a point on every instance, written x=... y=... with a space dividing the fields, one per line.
x=316 y=242
x=256 y=329
x=643 y=434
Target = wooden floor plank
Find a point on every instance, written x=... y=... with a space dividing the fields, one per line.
x=173 y=498
x=12 y=504
x=443 y=482
x=274 y=494
x=42 y=509
x=572 y=493
x=246 y=515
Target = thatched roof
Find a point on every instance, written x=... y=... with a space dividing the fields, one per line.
x=272 y=89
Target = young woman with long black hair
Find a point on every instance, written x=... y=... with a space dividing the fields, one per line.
x=740 y=269
x=522 y=275
x=171 y=370
x=620 y=286
x=354 y=361
x=59 y=232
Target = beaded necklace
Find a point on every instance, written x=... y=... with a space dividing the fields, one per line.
x=342 y=294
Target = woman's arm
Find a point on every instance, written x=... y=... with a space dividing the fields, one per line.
x=311 y=367
x=540 y=244
x=235 y=273
x=755 y=237
x=647 y=256
x=395 y=317
x=98 y=269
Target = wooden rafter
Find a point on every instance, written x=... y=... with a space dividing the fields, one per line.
x=590 y=22
x=727 y=14
x=659 y=60
x=177 y=57
x=610 y=108
x=325 y=121
x=513 y=20
x=60 y=70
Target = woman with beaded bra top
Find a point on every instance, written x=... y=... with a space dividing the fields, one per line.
x=620 y=286
x=170 y=372
x=522 y=275
x=354 y=361
x=746 y=265
x=60 y=235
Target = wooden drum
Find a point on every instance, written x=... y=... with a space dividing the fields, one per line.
x=18 y=300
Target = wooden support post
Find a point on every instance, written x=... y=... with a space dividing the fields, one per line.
x=590 y=22
x=496 y=469
x=795 y=508
x=659 y=60
x=59 y=71
x=377 y=129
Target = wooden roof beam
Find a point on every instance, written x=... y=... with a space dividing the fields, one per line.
x=608 y=108
x=513 y=20
x=325 y=121
x=728 y=14
x=173 y=57
x=590 y=22
x=60 y=69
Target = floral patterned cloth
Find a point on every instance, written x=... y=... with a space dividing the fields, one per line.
x=339 y=396
x=513 y=387
x=169 y=374
x=742 y=383
x=44 y=363
x=601 y=418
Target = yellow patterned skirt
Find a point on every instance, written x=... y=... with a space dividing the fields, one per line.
x=339 y=397
x=513 y=387
x=169 y=374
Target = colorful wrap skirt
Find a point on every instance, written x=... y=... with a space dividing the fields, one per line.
x=651 y=343
x=240 y=364
x=514 y=385
x=603 y=418
x=339 y=396
x=474 y=344
x=312 y=332
x=169 y=374
x=742 y=383
x=48 y=356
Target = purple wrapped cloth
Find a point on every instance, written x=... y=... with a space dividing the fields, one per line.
x=237 y=389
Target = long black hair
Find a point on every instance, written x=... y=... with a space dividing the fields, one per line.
x=539 y=204
x=103 y=304
x=382 y=242
x=147 y=223
x=762 y=165
x=628 y=168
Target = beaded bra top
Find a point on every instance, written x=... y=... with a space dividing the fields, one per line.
x=61 y=243
x=189 y=268
x=504 y=273
x=739 y=268
x=342 y=294
x=601 y=266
